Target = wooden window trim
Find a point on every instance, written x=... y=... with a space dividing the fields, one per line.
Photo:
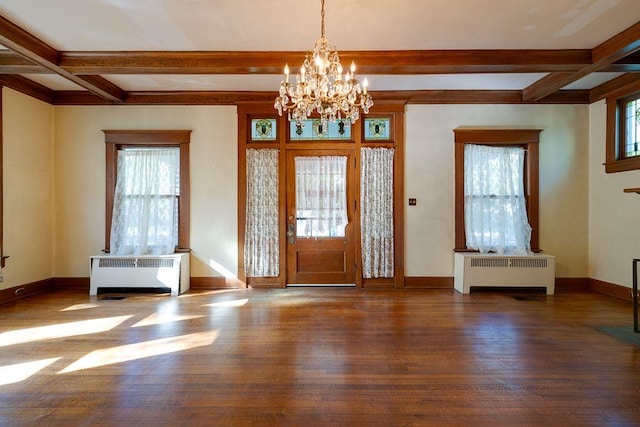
x=614 y=153
x=116 y=139
x=526 y=138
x=3 y=258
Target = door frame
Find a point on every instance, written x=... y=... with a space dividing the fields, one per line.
x=252 y=110
x=350 y=232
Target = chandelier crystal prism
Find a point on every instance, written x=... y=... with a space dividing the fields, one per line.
x=322 y=87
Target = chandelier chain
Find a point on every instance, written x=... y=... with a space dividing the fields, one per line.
x=322 y=19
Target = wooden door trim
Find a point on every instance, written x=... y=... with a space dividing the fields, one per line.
x=350 y=235
x=389 y=108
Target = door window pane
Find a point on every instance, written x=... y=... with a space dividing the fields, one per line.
x=321 y=196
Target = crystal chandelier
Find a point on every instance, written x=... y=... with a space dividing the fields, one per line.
x=322 y=87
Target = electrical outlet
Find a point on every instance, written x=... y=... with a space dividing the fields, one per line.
x=412 y=202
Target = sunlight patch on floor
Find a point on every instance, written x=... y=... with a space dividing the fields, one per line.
x=211 y=292
x=160 y=318
x=125 y=353
x=232 y=303
x=11 y=374
x=81 y=307
x=60 y=330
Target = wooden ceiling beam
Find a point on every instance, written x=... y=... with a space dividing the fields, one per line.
x=35 y=50
x=615 y=88
x=480 y=97
x=604 y=55
x=368 y=62
x=628 y=64
x=12 y=63
x=28 y=87
x=410 y=97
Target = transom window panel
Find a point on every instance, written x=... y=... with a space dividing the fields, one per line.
x=317 y=130
x=495 y=209
x=377 y=129
x=321 y=196
x=631 y=129
x=264 y=130
x=145 y=209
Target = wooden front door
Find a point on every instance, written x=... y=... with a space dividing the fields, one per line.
x=320 y=212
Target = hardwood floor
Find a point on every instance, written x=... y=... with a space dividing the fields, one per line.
x=317 y=356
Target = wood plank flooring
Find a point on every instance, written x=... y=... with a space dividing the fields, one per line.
x=317 y=356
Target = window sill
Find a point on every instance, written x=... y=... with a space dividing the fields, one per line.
x=622 y=165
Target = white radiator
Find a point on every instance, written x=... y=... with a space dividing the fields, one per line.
x=472 y=269
x=140 y=271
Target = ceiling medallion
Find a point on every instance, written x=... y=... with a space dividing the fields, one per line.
x=322 y=88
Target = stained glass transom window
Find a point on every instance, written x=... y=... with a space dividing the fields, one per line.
x=263 y=129
x=315 y=129
x=377 y=129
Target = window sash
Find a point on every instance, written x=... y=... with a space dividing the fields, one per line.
x=629 y=127
x=495 y=213
x=145 y=219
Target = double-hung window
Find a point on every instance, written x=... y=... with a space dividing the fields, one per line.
x=496 y=182
x=147 y=192
x=494 y=200
x=145 y=208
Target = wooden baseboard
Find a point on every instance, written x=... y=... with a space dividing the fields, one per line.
x=22 y=291
x=444 y=282
x=422 y=282
x=71 y=283
x=379 y=283
x=410 y=282
x=214 y=283
x=572 y=284
x=610 y=289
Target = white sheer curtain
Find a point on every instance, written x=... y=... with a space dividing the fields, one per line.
x=321 y=196
x=495 y=210
x=376 y=194
x=261 y=246
x=145 y=208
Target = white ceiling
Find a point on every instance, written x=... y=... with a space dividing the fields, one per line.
x=294 y=25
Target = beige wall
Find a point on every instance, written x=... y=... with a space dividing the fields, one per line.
x=429 y=177
x=80 y=181
x=614 y=216
x=28 y=146
x=78 y=219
